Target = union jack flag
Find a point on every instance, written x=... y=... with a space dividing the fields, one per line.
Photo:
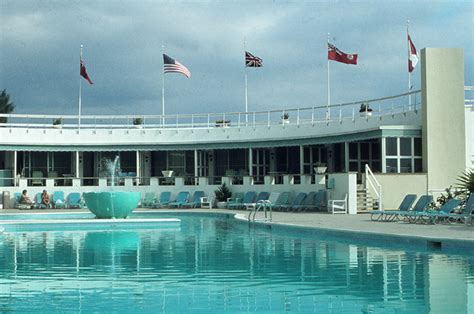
x=252 y=61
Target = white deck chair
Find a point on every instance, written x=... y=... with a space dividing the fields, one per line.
x=338 y=206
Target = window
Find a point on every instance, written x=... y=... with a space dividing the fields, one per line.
x=403 y=155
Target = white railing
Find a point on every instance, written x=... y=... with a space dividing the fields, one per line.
x=309 y=115
x=374 y=184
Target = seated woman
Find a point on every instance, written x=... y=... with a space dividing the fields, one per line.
x=25 y=199
x=45 y=199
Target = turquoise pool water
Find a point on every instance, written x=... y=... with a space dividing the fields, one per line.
x=215 y=264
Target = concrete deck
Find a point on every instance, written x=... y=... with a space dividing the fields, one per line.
x=351 y=223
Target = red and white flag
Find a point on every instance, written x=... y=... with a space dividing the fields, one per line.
x=84 y=74
x=412 y=55
x=339 y=56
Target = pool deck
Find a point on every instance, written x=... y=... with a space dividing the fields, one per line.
x=340 y=222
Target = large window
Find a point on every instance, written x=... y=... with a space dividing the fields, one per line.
x=361 y=153
x=403 y=155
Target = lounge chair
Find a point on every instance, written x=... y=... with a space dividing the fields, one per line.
x=58 y=199
x=419 y=208
x=262 y=196
x=149 y=200
x=282 y=202
x=390 y=215
x=74 y=200
x=297 y=202
x=236 y=198
x=181 y=199
x=37 y=202
x=207 y=202
x=249 y=197
x=165 y=199
x=18 y=205
x=338 y=206
x=195 y=201
x=444 y=212
x=466 y=213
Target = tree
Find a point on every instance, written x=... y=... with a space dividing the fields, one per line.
x=5 y=105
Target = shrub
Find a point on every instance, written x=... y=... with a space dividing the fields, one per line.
x=223 y=193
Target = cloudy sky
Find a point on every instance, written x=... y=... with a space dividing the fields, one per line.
x=40 y=44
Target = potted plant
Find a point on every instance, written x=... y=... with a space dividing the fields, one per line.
x=222 y=123
x=58 y=123
x=365 y=110
x=320 y=168
x=137 y=122
x=222 y=194
x=285 y=118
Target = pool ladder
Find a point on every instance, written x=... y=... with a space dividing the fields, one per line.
x=264 y=205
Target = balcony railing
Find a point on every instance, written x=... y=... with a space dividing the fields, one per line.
x=310 y=115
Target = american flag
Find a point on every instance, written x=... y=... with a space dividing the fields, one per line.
x=252 y=61
x=173 y=66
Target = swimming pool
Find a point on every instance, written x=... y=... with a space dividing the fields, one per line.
x=218 y=264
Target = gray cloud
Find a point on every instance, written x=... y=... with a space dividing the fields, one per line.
x=123 y=44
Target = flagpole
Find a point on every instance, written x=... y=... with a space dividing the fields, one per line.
x=328 y=112
x=80 y=94
x=163 y=89
x=246 y=94
x=409 y=73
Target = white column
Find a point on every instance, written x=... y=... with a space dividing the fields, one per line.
x=15 y=170
x=77 y=164
x=383 y=154
x=301 y=159
x=196 y=163
x=137 y=162
x=250 y=162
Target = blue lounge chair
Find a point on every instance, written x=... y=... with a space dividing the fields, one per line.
x=249 y=197
x=418 y=210
x=165 y=198
x=262 y=196
x=297 y=202
x=149 y=200
x=18 y=205
x=282 y=202
x=37 y=202
x=195 y=201
x=468 y=210
x=236 y=198
x=58 y=199
x=74 y=200
x=391 y=215
x=181 y=199
x=444 y=212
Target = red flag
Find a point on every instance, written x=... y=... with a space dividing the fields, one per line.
x=83 y=72
x=412 y=55
x=339 y=56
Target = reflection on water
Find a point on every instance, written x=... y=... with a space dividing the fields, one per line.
x=217 y=265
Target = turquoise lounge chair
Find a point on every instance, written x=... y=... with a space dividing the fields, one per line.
x=58 y=200
x=18 y=205
x=249 y=197
x=273 y=197
x=165 y=198
x=467 y=212
x=262 y=196
x=149 y=200
x=181 y=199
x=195 y=201
x=74 y=200
x=37 y=202
x=282 y=202
x=418 y=210
x=391 y=215
x=236 y=198
x=444 y=212
x=297 y=202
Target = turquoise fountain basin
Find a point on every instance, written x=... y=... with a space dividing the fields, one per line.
x=112 y=204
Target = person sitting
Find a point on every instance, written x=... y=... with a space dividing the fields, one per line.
x=25 y=199
x=45 y=199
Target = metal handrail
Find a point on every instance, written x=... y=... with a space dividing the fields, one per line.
x=377 y=187
x=263 y=204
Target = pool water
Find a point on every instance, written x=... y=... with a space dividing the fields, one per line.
x=215 y=264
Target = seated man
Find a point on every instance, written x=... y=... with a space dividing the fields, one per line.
x=45 y=199
x=25 y=199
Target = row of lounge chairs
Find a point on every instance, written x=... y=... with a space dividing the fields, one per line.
x=422 y=213
x=58 y=200
x=182 y=200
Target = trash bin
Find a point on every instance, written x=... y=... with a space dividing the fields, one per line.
x=6 y=199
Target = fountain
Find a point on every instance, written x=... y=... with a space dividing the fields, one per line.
x=112 y=204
